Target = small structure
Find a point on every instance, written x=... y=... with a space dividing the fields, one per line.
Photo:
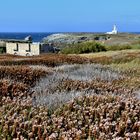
x=114 y=31
x=28 y=38
x=22 y=48
x=26 y=47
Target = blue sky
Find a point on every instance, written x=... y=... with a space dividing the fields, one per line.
x=69 y=15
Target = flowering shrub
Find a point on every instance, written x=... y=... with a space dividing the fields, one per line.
x=23 y=74
x=86 y=117
x=68 y=100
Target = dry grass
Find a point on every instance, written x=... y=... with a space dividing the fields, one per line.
x=110 y=53
x=47 y=60
x=23 y=74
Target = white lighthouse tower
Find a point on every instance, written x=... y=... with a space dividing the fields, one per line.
x=114 y=31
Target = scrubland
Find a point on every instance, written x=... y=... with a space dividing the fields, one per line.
x=66 y=97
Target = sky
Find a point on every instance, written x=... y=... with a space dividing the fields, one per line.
x=69 y=15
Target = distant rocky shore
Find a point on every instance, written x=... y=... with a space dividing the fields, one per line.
x=62 y=39
x=73 y=38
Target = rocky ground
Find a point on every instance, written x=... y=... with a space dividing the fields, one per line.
x=62 y=39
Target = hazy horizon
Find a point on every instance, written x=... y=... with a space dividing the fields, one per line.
x=69 y=16
x=60 y=32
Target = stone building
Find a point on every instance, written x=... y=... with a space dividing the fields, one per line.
x=26 y=47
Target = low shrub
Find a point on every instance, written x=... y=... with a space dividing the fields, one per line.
x=22 y=74
x=50 y=60
x=118 y=47
x=12 y=89
x=86 y=47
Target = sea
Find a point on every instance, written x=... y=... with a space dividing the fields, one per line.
x=37 y=37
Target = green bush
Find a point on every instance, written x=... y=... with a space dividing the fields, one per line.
x=86 y=47
x=136 y=46
x=118 y=47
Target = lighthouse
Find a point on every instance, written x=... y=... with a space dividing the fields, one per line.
x=114 y=31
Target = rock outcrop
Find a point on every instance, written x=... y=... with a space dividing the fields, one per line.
x=64 y=39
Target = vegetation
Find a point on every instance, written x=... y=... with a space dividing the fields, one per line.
x=91 y=46
x=118 y=47
x=23 y=74
x=47 y=60
x=86 y=47
x=92 y=96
